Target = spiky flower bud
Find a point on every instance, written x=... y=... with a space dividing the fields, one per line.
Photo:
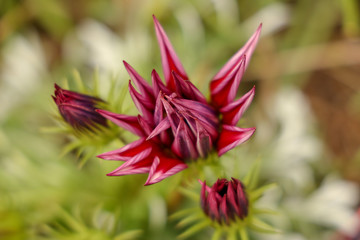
x=78 y=109
x=225 y=200
x=177 y=124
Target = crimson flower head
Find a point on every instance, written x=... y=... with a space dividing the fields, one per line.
x=225 y=200
x=176 y=123
x=78 y=109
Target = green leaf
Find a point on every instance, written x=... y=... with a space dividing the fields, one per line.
x=133 y=234
x=69 y=147
x=258 y=192
x=194 y=229
x=121 y=98
x=190 y=219
x=252 y=177
x=264 y=211
x=71 y=221
x=231 y=234
x=261 y=226
x=243 y=234
x=79 y=82
x=190 y=194
x=85 y=157
x=52 y=130
x=183 y=213
x=217 y=234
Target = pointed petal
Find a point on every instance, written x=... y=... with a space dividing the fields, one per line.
x=142 y=166
x=145 y=102
x=158 y=85
x=145 y=107
x=204 y=112
x=128 y=151
x=231 y=136
x=162 y=126
x=165 y=136
x=224 y=210
x=232 y=112
x=171 y=115
x=213 y=205
x=208 y=189
x=201 y=108
x=203 y=140
x=169 y=59
x=203 y=195
x=223 y=91
x=140 y=83
x=186 y=89
x=145 y=125
x=243 y=202
x=159 y=109
x=142 y=159
x=183 y=145
x=164 y=167
x=247 y=50
x=129 y=123
x=74 y=95
x=232 y=199
x=195 y=110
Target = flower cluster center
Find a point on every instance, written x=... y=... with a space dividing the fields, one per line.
x=193 y=125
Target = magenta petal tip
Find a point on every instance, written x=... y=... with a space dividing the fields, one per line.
x=231 y=137
x=163 y=168
x=169 y=59
x=233 y=111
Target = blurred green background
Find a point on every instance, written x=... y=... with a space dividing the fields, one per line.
x=306 y=69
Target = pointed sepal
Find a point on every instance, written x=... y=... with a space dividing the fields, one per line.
x=186 y=89
x=138 y=164
x=158 y=85
x=225 y=82
x=232 y=112
x=231 y=137
x=144 y=106
x=183 y=145
x=163 y=167
x=137 y=168
x=169 y=59
x=128 y=151
x=203 y=140
x=223 y=91
x=129 y=123
x=141 y=84
x=247 y=50
x=161 y=127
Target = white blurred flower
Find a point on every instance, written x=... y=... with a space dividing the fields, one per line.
x=331 y=205
x=295 y=144
x=291 y=154
x=23 y=68
x=274 y=16
x=94 y=44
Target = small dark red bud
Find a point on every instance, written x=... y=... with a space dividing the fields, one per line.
x=78 y=109
x=225 y=200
